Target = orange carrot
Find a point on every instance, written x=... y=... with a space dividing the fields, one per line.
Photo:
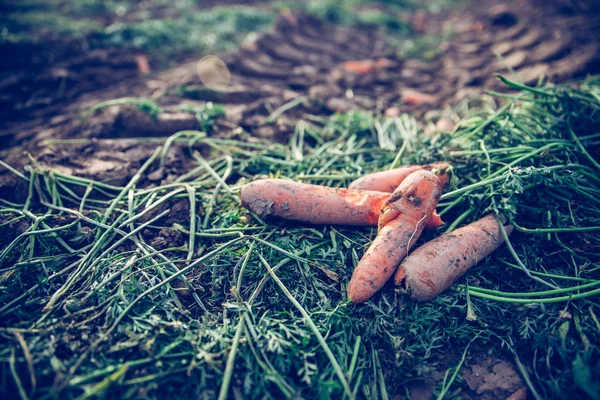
x=317 y=204
x=388 y=181
x=311 y=203
x=412 y=97
x=435 y=221
x=404 y=216
x=433 y=267
x=142 y=63
x=362 y=67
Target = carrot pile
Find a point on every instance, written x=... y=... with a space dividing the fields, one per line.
x=401 y=202
x=360 y=205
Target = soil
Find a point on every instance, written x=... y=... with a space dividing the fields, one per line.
x=43 y=98
x=520 y=37
x=487 y=377
x=39 y=77
x=492 y=378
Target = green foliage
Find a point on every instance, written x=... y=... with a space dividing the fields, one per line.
x=215 y=30
x=31 y=21
x=257 y=309
x=119 y=7
x=101 y=23
x=390 y=18
x=206 y=115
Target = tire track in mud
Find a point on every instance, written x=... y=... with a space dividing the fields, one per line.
x=523 y=41
x=305 y=57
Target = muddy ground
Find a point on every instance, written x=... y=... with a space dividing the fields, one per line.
x=301 y=62
x=302 y=57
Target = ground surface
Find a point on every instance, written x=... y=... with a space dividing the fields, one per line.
x=293 y=71
x=293 y=61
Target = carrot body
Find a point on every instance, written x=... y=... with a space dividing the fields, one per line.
x=434 y=266
x=312 y=203
x=404 y=216
x=415 y=98
x=388 y=181
x=361 y=67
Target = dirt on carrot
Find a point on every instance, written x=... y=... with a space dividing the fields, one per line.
x=318 y=204
x=312 y=203
x=403 y=219
x=434 y=266
x=388 y=181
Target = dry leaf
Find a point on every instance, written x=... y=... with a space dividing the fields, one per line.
x=330 y=274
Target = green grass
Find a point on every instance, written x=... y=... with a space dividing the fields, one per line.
x=98 y=24
x=242 y=308
x=193 y=30
x=217 y=30
x=121 y=7
x=32 y=21
x=390 y=18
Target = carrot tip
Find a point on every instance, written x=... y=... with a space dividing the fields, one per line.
x=435 y=221
x=400 y=278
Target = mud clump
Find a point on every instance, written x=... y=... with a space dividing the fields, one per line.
x=492 y=378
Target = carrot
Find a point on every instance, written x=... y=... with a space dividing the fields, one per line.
x=404 y=216
x=435 y=221
x=388 y=181
x=363 y=67
x=317 y=204
x=142 y=63
x=434 y=266
x=312 y=203
x=414 y=98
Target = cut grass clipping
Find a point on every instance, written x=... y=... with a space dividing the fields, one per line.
x=175 y=290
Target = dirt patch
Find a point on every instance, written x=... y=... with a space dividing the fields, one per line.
x=485 y=377
x=13 y=188
x=40 y=91
x=10 y=228
x=55 y=53
x=493 y=378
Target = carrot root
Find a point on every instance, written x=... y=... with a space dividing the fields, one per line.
x=312 y=203
x=404 y=216
x=435 y=221
x=317 y=204
x=388 y=181
x=434 y=266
